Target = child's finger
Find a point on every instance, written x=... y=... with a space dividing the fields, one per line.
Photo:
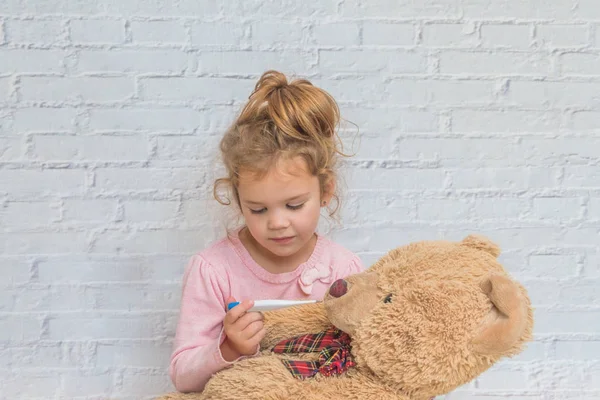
x=247 y=319
x=236 y=312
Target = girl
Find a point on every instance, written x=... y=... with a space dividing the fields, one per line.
x=280 y=156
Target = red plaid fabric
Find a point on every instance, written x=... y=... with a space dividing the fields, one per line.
x=333 y=346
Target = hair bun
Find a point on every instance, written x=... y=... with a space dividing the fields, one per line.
x=269 y=82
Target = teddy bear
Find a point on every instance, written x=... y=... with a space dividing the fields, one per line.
x=423 y=320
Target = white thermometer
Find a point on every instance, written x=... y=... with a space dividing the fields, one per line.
x=268 y=305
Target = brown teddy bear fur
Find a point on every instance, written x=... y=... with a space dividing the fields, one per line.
x=454 y=312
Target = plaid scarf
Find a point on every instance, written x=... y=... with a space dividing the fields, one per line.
x=333 y=346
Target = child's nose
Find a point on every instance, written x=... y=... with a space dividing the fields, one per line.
x=277 y=220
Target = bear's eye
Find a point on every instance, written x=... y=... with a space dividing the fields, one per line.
x=388 y=299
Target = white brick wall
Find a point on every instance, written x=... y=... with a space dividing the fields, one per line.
x=474 y=116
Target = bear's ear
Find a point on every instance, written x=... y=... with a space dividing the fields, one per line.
x=481 y=243
x=508 y=319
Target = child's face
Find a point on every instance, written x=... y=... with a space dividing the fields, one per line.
x=282 y=208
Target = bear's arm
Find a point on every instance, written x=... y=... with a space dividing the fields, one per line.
x=293 y=321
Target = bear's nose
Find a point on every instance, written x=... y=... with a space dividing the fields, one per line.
x=338 y=288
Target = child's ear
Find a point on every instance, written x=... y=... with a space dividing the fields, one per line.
x=328 y=191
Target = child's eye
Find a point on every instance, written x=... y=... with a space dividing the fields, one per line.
x=297 y=207
x=262 y=210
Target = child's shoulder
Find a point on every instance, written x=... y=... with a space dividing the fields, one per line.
x=336 y=251
x=215 y=255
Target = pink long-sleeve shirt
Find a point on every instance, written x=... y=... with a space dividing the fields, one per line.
x=226 y=269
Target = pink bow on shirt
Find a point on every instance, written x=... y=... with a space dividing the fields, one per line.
x=310 y=275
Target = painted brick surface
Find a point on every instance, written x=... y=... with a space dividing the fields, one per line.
x=473 y=116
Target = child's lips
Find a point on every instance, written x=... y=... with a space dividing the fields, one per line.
x=284 y=239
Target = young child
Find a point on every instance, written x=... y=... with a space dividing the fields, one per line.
x=280 y=156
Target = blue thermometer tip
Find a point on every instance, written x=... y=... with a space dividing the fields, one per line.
x=232 y=304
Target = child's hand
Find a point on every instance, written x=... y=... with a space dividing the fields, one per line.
x=244 y=331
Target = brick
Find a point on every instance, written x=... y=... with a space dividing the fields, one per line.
x=543 y=292
x=36 y=387
x=580 y=321
x=270 y=9
x=553 y=94
x=20 y=327
x=384 y=34
x=34 y=182
x=504 y=178
x=28 y=214
x=219 y=90
x=552 y=209
x=94 y=89
x=148 y=178
x=407 y=178
x=596 y=40
x=185 y=147
x=92 y=384
x=145 y=385
x=517 y=37
x=493 y=63
x=562 y=35
x=97 y=147
x=183 y=8
x=377 y=206
x=216 y=33
x=35 y=31
x=5 y=89
x=594 y=208
x=552 y=266
x=498 y=208
x=43 y=243
x=10 y=148
x=581 y=236
x=449 y=35
x=336 y=34
x=138 y=354
x=255 y=62
x=437 y=209
x=31 y=61
x=75 y=326
x=271 y=34
x=504 y=121
x=97 y=31
x=587 y=9
x=123 y=269
x=529 y=9
x=158 y=32
x=584 y=120
x=533 y=351
x=58 y=298
x=145 y=119
x=164 y=296
x=584 y=64
x=89 y=210
x=496 y=378
x=552 y=151
x=582 y=176
x=156 y=211
x=15 y=269
x=583 y=292
x=421 y=92
x=139 y=61
x=360 y=90
x=422 y=9
x=45 y=119
x=358 y=61
x=461 y=152
x=162 y=241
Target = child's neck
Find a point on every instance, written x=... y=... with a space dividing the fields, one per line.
x=271 y=262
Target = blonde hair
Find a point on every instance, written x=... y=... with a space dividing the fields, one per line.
x=282 y=120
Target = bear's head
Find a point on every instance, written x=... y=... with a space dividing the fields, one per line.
x=431 y=316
